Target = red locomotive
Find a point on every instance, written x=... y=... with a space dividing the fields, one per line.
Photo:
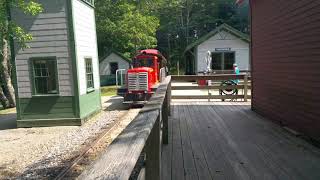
x=142 y=80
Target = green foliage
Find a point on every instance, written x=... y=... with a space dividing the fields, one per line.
x=168 y=25
x=20 y=35
x=9 y=28
x=184 y=21
x=125 y=26
x=28 y=7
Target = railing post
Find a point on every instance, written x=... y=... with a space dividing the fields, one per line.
x=165 y=119
x=246 y=88
x=169 y=94
x=153 y=153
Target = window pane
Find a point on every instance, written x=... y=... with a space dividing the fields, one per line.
x=37 y=72
x=89 y=73
x=45 y=80
x=44 y=72
x=40 y=84
x=52 y=77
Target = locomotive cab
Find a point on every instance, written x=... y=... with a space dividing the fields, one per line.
x=148 y=69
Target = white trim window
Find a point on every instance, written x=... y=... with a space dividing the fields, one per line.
x=89 y=73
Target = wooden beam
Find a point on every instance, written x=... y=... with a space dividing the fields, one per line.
x=209 y=87
x=165 y=119
x=209 y=77
x=153 y=153
x=169 y=92
x=209 y=97
x=124 y=151
x=245 y=88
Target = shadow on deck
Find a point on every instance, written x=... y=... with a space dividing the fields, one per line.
x=214 y=140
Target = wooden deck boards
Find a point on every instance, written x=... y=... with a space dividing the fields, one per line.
x=214 y=140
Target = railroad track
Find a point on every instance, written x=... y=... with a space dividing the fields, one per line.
x=83 y=158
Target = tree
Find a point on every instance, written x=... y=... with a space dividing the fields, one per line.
x=125 y=26
x=184 y=21
x=8 y=31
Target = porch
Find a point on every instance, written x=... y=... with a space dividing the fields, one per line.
x=227 y=140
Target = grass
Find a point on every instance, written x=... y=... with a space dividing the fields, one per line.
x=109 y=91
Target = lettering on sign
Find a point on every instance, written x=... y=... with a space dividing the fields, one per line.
x=222 y=49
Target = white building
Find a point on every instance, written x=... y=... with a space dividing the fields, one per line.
x=227 y=46
x=109 y=65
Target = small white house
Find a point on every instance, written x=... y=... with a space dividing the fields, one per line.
x=110 y=64
x=227 y=46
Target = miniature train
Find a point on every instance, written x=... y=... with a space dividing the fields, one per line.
x=142 y=80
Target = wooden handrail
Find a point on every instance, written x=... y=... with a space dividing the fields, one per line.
x=210 y=97
x=215 y=85
x=120 y=158
x=226 y=71
x=208 y=77
x=209 y=87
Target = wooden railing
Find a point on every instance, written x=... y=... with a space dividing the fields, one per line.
x=144 y=132
x=226 y=72
x=216 y=80
x=147 y=132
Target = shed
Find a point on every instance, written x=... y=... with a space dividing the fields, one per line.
x=285 y=63
x=58 y=76
x=227 y=46
x=109 y=64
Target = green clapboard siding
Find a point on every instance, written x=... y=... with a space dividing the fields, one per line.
x=106 y=80
x=89 y=103
x=48 y=122
x=47 y=107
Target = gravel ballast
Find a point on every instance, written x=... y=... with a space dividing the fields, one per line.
x=41 y=153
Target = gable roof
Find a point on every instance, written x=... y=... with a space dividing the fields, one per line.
x=118 y=54
x=223 y=27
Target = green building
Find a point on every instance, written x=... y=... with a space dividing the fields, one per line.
x=58 y=75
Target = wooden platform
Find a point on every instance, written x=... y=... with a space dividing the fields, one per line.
x=214 y=140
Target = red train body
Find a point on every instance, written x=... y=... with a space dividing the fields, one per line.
x=148 y=68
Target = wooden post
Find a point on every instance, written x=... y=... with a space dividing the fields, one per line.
x=153 y=153
x=169 y=94
x=165 y=118
x=246 y=88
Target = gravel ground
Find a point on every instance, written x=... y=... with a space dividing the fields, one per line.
x=40 y=153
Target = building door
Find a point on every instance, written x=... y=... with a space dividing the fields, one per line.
x=113 y=68
x=229 y=60
x=217 y=61
x=223 y=60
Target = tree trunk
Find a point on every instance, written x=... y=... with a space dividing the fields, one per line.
x=5 y=73
x=3 y=99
